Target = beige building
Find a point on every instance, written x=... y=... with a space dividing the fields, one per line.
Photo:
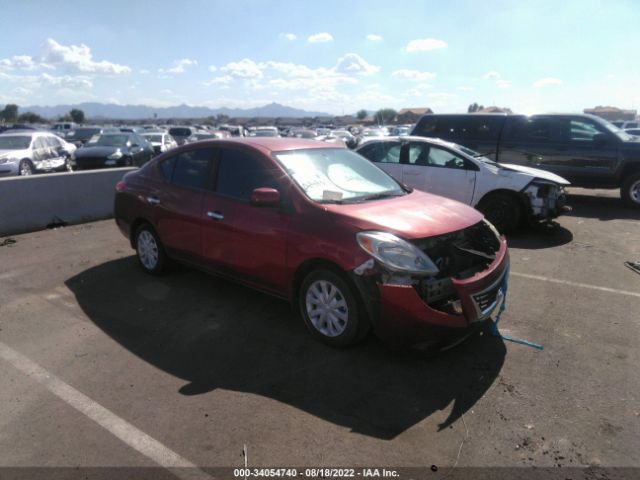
x=612 y=113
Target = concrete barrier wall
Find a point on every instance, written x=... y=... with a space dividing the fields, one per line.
x=32 y=203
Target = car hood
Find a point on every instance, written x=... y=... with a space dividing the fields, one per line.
x=535 y=172
x=412 y=216
x=97 y=151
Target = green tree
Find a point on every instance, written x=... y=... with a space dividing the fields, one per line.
x=474 y=107
x=361 y=115
x=385 y=115
x=77 y=115
x=9 y=113
x=30 y=117
x=222 y=118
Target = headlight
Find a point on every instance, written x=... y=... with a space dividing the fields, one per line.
x=395 y=253
x=492 y=227
x=115 y=155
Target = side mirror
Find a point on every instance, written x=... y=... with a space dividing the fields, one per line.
x=600 y=139
x=265 y=197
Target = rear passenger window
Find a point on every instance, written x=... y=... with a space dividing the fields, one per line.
x=166 y=167
x=239 y=174
x=192 y=168
x=537 y=130
x=382 y=152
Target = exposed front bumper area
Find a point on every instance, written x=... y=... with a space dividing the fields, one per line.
x=546 y=200
x=402 y=316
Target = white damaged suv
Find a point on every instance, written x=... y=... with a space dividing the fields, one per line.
x=506 y=194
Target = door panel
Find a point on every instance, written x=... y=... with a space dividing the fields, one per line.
x=251 y=241
x=439 y=171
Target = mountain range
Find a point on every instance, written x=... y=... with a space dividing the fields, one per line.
x=135 y=112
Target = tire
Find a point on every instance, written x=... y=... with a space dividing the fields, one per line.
x=630 y=190
x=150 y=251
x=25 y=168
x=503 y=210
x=330 y=309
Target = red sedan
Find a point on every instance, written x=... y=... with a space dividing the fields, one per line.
x=323 y=228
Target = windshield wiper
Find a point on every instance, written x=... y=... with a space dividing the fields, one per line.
x=478 y=155
x=377 y=196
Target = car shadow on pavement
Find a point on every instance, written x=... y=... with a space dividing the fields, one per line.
x=601 y=207
x=538 y=236
x=215 y=334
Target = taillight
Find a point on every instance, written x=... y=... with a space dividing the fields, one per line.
x=120 y=186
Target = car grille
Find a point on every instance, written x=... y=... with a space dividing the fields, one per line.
x=485 y=299
x=89 y=162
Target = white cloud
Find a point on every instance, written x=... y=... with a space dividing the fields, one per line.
x=499 y=81
x=320 y=38
x=144 y=71
x=223 y=80
x=492 y=75
x=352 y=63
x=413 y=75
x=179 y=66
x=546 y=82
x=245 y=68
x=79 y=57
x=374 y=38
x=465 y=88
x=425 y=45
x=442 y=95
x=66 y=81
x=289 y=36
x=21 y=62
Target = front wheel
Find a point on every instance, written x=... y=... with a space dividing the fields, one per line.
x=149 y=250
x=630 y=190
x=502 y=210
x=330 y=309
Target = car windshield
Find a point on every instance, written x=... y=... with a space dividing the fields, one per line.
x=153 y=138
x=337 y=175
x=476 y=155
x=621 y=134
x=14 y=142
x=180 y=132
x=109 y=140
x=84 y=133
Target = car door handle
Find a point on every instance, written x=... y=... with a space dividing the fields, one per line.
x=215 y=215
x=411 y=173
x=153 y=200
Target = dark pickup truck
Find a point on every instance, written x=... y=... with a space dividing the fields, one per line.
x=586 y=150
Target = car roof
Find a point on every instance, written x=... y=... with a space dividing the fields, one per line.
x=272 y=144
x=25 y=133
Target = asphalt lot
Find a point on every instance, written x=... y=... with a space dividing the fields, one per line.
x=98 y=358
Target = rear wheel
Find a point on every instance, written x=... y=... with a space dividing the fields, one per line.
x=630 y=190
x=503 y=210
x=330 y=309
x=149 y=250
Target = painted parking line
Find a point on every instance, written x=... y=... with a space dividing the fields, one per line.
x=575 y=284
x=127 y=433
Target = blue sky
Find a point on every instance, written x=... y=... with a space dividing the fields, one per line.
x=333 y=56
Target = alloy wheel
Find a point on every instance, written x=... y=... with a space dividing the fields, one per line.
x=147 y=250
x=327 y=308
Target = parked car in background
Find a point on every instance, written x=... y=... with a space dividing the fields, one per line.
x=264 y=132
x=62 y=129
x=417 y=268
x=81 y=135
x=138 y=130
x=633 y=131
x=112 y=150
x=507 y=195
x=181 y=134
x=586 y=150
x=160 y=141
x=29 y=152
